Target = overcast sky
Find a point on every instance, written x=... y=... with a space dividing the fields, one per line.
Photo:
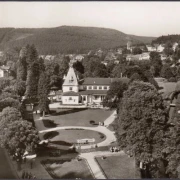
x=138 y=18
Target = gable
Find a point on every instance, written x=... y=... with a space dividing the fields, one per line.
x=71 y=78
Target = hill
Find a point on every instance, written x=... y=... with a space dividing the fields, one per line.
x=169 y=38
x=67 y=39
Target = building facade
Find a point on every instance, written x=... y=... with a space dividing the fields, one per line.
x=87 y=91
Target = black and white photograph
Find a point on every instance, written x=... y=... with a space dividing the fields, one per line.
x=89 y=89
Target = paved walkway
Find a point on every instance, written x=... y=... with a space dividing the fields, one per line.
x=110 y=137
x=90 y=157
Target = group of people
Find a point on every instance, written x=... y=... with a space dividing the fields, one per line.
x=114 y=149
x=27 y=175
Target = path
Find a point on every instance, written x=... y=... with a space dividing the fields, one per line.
x=90 y=157
x=110 y=137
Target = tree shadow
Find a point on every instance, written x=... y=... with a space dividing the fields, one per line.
x=50 y=135
x=74 y=175
x=48 y=123
x=64 y=143
x=69 y=111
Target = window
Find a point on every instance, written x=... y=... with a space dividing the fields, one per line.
x=95 y=87
x=70 y=98
x=84 y=98
x=84 y=87
x=96 y=97
x=100 y=87
x=89 y=87
x=105 y=87
x=70 y=88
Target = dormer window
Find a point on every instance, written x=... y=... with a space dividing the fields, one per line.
x=71 y=80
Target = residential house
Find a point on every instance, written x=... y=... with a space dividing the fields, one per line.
x=110 y=57
x=79 y=57
x=163 y=57
x=119 y=50
x=87 y=91
x=174 y=46
x=151 y=48
x=49 y=57
x=160 y=48
x=144 y=56
x=4 y=71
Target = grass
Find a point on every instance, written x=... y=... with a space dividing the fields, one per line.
x=118 y=167
x=71 y=136
x=67 y=169
x=66 y=117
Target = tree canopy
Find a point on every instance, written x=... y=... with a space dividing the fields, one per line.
x=142 y=119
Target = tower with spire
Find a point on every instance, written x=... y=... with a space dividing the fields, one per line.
x=70 y=81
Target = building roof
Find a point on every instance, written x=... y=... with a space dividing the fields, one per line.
x=70 y=93
x=102 y=81
x=4 y=67
x=93 y=92
x=71 y=78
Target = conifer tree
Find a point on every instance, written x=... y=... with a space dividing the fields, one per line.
x=43 y=90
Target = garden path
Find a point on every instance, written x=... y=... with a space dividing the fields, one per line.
x=90 y=157
x=110 y=137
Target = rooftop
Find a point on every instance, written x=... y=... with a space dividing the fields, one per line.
x=93 y=92
x=70 y=93
x=102 y=81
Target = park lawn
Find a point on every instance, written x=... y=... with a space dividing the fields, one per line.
x=71 y=135
x=118 y=167
x=73 y=117
x=68 y=169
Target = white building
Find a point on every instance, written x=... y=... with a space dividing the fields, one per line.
x=174 y=46
x=87 y=91
x=4 y=71
x=151 y=48
x=160 y=48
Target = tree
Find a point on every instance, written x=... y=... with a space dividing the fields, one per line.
x=118 y=71
x=4 y=82
x=142 y=122
x=64 y=66
x=32 y=55
x=43 y=91
x=110 y=67
x=32 y=81
x=8 y=115
x=115 y=93
x=166 y=72
x=137 y=50
x=135 y=77
x=20 y=88
x=100 y=70
x=5 y=95
x=79 y=67
x=156 y=63
x=20 y=136
x=168 y=49
x=22 y=69
x=9 y=102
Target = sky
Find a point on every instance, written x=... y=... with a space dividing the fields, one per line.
x=138 y=18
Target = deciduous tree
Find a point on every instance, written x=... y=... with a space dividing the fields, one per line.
x=142 y=120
